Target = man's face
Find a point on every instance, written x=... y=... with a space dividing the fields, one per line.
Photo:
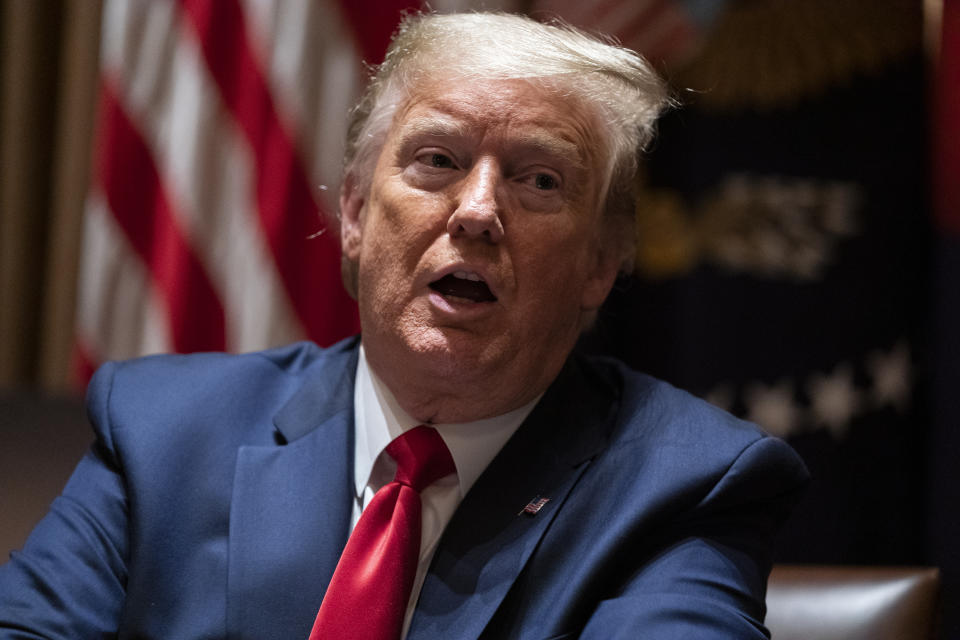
x=478 y=246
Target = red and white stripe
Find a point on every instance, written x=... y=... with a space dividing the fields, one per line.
x=218 y=152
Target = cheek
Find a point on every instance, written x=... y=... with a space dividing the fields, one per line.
x=398 y=234
x=555 y=275
x=556 y=252
x=551 y=285
x=407 y=217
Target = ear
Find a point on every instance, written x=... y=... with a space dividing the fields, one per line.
x=351 y=218
x=599 y=281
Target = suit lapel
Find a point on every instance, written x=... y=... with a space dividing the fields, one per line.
x=291 y=506
x=488 y=541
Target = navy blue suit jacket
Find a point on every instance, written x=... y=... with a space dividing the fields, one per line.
x=216 y=500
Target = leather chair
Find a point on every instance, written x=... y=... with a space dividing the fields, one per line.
x=852 y=603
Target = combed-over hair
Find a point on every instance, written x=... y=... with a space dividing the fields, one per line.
x=621 y=88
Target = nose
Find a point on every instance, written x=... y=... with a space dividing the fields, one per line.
x=477 y=214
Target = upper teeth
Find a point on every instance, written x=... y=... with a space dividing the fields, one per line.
x=464 y=275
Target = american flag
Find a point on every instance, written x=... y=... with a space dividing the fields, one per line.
x=533 y=507
x=217 y=156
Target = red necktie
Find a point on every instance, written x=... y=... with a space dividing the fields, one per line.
x=368 y=594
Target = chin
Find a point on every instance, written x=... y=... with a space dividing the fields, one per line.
x=452 y=353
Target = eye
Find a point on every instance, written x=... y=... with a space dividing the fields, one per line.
x=542 y=181
x=437 y=160
x=545 y=182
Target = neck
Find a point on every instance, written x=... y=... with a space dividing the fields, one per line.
x=453 y=395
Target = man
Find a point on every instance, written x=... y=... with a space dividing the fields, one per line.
x=485 y=211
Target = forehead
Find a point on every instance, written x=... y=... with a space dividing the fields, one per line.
x=516 y=111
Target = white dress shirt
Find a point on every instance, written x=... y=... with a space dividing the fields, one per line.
x=378 y=419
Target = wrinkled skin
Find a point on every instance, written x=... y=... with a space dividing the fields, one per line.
x=499 y=180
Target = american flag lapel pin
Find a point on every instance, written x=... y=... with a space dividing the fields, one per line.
x=534 y=506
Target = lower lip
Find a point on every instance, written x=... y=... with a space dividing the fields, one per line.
x=459 y=307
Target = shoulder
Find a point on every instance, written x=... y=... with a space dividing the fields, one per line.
x=186 y=392
x=185 y=369
x=665 y=435
x=651 y=408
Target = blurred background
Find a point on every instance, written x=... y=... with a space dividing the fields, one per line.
x=166 y=166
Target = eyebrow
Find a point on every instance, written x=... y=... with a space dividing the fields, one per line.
x=537 y=142
x=555 y=146
x=431 y=126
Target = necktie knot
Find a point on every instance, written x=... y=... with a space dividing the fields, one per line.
x=422 y=457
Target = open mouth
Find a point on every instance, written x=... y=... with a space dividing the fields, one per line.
x=465 y=285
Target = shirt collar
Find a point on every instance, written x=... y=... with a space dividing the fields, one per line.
x=378 y=419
